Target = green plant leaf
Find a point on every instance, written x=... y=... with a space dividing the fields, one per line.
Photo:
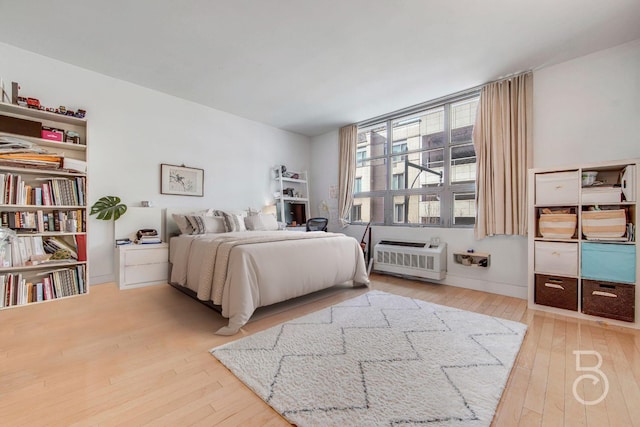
x=108 y=207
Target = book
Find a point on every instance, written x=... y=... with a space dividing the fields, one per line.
x=46 y=194
x=40 y=221
x=5 y=255
x=47 y=288
x=3 y=290
x=38 y=196
x=81 y=244
x=39 y=292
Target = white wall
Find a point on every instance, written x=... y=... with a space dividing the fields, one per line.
x=131 y=130
x=588 y=109
x=585 y=110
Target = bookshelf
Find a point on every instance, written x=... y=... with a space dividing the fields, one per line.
x=292 y=197
x=43 y=206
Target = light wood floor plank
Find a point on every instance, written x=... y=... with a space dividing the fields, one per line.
x=140 y=357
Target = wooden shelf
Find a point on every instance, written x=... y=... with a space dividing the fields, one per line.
x=41 y=114
x=472 y=259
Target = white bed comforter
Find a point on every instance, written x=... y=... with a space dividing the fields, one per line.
x=241 y=271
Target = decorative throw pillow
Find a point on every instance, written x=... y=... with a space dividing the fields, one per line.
x=197 y=223
x=261 y=222
x=234 y=222
x=183 y=224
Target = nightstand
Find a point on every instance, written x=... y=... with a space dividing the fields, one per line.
x=142 y=265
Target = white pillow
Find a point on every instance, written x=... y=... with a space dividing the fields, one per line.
x=214 y=224
x=206 y=224
x=261 y=222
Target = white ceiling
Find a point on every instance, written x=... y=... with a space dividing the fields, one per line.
x=311 y=66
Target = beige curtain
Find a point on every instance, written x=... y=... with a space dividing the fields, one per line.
x=347 y=171
x=502 y=140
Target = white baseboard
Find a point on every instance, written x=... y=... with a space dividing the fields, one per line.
x=106 y=278
x=507 y=289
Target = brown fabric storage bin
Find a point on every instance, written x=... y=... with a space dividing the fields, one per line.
x=608 y=299
x=557 y=291
x=20 y=126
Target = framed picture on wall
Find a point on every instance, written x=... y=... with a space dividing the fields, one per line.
x=181 y=180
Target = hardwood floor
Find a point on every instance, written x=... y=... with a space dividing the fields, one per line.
x=139 y=357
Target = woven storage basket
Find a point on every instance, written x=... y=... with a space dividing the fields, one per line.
x=557 y=226
x=604 y=224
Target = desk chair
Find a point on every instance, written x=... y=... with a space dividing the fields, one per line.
x=317 y=224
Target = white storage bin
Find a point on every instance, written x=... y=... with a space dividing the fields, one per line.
x=556 y=258
x=600 y=195
x=558 y=188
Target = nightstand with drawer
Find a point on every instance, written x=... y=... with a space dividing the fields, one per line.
x=142 y=265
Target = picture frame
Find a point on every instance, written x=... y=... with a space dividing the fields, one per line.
x=181 y=180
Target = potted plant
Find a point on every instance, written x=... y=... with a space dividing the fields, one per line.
x=108 y=207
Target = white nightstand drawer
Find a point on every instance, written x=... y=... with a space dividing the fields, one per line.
x=146 y=256
x=138 y=274
x=142 y=265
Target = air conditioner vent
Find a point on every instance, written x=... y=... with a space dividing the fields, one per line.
x=411 y=259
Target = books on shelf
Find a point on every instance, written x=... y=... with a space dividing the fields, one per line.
x=42 y=191
x=37 y=250
x=69 y=221
x=20 y=289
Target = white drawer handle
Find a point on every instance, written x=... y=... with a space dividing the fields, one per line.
x=604 y=294
x=553 y=285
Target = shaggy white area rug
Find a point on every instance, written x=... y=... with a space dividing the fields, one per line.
x=380 y=359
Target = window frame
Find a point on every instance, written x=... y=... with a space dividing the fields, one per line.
x=446 y=191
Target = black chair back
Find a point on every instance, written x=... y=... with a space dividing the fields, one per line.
x=317 y=224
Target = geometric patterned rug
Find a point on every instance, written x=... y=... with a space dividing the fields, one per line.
x=380 y=359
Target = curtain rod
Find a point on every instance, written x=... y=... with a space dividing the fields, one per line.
x=434 y=102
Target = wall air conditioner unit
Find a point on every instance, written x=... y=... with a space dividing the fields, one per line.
x=411 y=259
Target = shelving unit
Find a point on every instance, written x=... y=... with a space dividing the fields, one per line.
x=292 y=196
x=584 y=262
x=472 y=259
x=46 y=208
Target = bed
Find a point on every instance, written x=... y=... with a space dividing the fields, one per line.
x=239 y=271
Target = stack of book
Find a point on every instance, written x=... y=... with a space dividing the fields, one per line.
x=143 y=240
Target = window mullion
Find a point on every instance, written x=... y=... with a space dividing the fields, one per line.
x=388 y=196
x=446 y=213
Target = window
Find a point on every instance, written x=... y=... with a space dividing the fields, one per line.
x=357 y=185
x=418 y=167
x=398 y=181
x=360 y=156
x=356 y=213
x=399 y=147
x=398 y=213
